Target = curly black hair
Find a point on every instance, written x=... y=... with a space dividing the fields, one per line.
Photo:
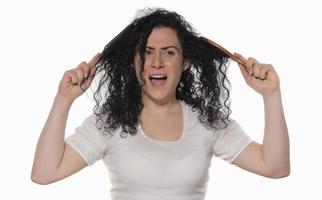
x=204 y=85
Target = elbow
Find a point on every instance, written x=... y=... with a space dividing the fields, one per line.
x=40 y=180
x=279 y=171
x=280 y=174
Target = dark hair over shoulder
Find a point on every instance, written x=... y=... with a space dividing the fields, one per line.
x=204 y=85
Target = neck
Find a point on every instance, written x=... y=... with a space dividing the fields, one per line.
x=159 y=108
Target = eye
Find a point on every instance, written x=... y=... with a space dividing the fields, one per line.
x=169 y=52
x=147 y=52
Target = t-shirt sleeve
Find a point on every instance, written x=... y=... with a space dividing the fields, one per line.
x=229 y=142
x=88 y=140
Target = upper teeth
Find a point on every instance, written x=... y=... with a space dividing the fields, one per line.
x=157 y=76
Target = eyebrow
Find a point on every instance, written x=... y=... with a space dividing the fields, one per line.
x=163 y=48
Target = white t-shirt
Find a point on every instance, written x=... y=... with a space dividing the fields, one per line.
x=142 y=168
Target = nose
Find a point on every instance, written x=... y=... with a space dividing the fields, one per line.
x=157 y=61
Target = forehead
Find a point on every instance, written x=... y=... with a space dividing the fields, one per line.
x=163 y=36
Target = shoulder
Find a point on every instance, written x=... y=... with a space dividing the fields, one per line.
x=94 y=126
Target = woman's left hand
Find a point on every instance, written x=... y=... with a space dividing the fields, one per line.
x=261 y=77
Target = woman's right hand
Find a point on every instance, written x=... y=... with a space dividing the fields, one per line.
x=76 y=81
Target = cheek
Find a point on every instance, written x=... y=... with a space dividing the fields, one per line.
x=175 y=77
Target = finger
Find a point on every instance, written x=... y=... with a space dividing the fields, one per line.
x=80 y=75
x=72 y=75
x=248 y=66
x=264 y=71
x=257 y=70
x=92 y=63
x=87 y=82
x=245 y=73
x=251 y=62
x=84 y=66
x=92 y=72
x=241 y=57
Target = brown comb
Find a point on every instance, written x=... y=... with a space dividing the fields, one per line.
x=232 y=56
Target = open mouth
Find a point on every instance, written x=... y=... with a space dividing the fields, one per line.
x=158 y=80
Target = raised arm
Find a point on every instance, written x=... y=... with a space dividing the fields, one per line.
x=272 y=158
x=54 y=159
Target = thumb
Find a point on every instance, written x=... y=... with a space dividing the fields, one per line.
x=94 y=60
x=87 y=82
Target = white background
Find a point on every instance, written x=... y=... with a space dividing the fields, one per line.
x=42 y=39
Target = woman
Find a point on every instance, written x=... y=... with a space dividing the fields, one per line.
x=164 y=115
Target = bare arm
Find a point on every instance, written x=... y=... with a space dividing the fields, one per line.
x=54 y=159
x=272 y=158
x=51 y=145
x=276 y=142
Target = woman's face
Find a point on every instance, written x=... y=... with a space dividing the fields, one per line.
x=163 y=65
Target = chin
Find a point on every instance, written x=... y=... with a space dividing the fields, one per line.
x=157 y=93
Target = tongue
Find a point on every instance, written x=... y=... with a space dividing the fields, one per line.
x=157 y=83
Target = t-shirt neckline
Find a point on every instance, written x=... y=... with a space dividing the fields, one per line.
x=170 y=141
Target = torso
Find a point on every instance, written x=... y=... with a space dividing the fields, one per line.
x=167 y=128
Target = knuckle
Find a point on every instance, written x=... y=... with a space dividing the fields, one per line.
x=82 y=63
x=73 y=70
x=84 y=67
x=251 y=59
x=259 y=66
x=79 y=71
x=69 y=71
x=251 y=65
x=266 y=67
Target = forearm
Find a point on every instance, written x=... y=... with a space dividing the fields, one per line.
x=276 y=153
x=51 y=143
